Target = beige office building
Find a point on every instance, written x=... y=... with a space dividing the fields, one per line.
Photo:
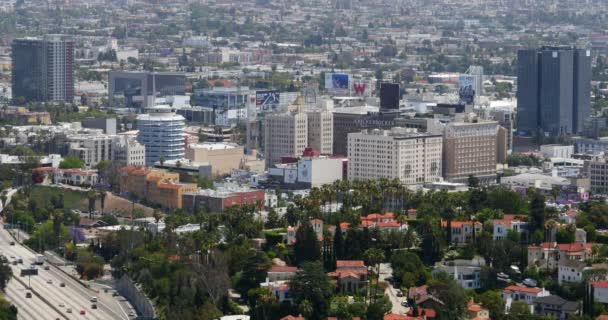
x=470 y=149
x=285 y=135
x=399 y=153
x=321 y=131
x=223 y=157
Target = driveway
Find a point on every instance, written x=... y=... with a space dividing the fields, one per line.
x=385 y=272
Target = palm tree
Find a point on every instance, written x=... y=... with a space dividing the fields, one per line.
x=373 y=257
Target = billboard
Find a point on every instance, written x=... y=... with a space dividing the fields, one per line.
x=336 y=81
x=360 y=88
x=466 y=88
x=389 y=96
x=267 y=100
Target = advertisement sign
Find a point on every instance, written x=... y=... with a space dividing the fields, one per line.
x=359 y=88
x=267 y=100
x=336 y=81
x=466 y=91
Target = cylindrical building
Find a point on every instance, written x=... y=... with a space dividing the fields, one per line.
x=161 y=131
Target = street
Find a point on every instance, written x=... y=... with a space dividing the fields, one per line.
x=385 y=272
x=49 y=300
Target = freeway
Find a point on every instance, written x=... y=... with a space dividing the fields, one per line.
x=54 y=301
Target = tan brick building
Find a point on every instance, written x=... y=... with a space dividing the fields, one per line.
x=470 y=149
x=399 y=153
x=223 y=157
x=156 y=186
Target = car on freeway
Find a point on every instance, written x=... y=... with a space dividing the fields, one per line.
x=61 y=305
x=28 y=294
x=94 y=306
x=68 y=310
x=62 y=284
x=93 y=299
x=47 y=267
x=115 y=294
x=12 y=243
x=83 y=312
x=404 y=303
x=49 y=281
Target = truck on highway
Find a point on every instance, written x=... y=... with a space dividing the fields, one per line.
x=39 y=259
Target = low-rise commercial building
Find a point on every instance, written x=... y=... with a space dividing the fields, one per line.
x=222 y=198
x=223 y=157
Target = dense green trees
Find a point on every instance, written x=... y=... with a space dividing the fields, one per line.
x=454 y=299
x=70 y=162
x=307 y=247
x=312 y=284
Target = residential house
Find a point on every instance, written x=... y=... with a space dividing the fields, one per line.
x=423 y=313
x=462 y=231
x=290 y=317
x=350 y=275
x=74 y=177
x=547 y=255
x=280 y=289
x=521 y=293
x=555 y=306
x=600 y=290
x=423 y=299
x=281 y=273
x=476 y=312
x=382 y=222
x=465 y=272
x=570 y=271
x=510 y=222
x=317 y=225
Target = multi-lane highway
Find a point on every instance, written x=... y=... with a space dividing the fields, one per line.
x=49 y=299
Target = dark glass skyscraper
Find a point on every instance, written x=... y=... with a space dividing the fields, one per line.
x=553 y=90
x=43 y=69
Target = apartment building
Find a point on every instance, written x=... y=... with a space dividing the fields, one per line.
x=470 y=149
x=155 y=186
x=597 y=171
x=221 y=198
x=127 y=151
x=285 y=135
x=399 y=153
x=510 y=222
x=91 y=148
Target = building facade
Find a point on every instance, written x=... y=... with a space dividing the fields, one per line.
x=554 y=89
x=355 y=119
x=128 y=152
x=411 y=157
x=470 y=149
x=223 y=157
x=285 y=135
x=43 y=69
x=137 y=89
x=321 y=131
x=161 y=131
x=91 y=148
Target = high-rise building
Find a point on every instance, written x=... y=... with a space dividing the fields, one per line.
x=321 y=131
x=161 y=131
x=354 y=119
x=43 y=69
x=139 y=88
x=285 y=135
x=399 y=153
x=471 y=149
x=553 y=90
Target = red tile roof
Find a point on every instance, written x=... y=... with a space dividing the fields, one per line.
x=600 y=284
x=283 y=269
x=290 y=317
x=522 y=289
x=459 y=224
x=429 y=313
x=350 y=264
x=392 y=316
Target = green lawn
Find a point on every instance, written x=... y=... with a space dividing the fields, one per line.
x=43 y=195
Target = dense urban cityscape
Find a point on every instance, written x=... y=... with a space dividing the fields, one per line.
x=304 y=160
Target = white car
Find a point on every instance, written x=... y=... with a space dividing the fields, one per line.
x=61 y=305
